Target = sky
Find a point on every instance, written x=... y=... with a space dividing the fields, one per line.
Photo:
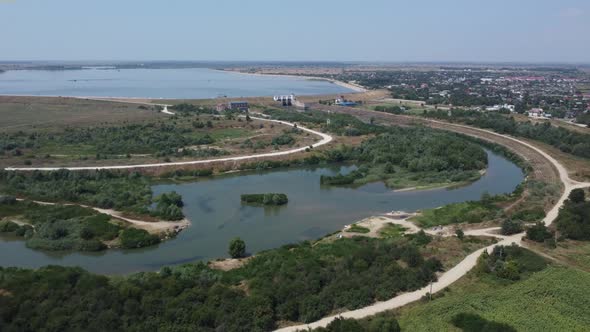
x=297 y=30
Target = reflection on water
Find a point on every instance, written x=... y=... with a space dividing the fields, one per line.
x=217 y=215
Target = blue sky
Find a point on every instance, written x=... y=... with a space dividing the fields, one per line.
x=296 y=30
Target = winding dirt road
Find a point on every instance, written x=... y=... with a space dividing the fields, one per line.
x=325 y=140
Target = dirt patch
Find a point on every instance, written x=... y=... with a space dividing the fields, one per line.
x=4 y=292
x=229 y=264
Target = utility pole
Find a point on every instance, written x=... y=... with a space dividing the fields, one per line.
x=430 y=290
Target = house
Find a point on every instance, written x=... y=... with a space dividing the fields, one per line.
x=538 y=113
x=238 y=106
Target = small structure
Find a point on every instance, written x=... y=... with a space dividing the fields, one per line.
x=497 y=108
x=221 y=107
x=238 y=106
x=538 y=113
x=343 y=102
x=286 y=100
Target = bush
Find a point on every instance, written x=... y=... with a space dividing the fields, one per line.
x=8 y=227
x=538 y=233
x=237 y=248
x=137 y=238
x=510 y=227
x=358 y=229
x=265 y=199
x=574 y=217
x=474 y=323
x=8 y=200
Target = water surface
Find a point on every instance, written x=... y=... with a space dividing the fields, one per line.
x=214 y=207
x=191 y=83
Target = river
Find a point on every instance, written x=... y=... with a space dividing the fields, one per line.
x=192 y=83
x=213 y=206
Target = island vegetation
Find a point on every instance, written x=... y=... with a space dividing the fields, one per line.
x=405 y=157
x=126 y=192
x=68 y=227
x=265 y=199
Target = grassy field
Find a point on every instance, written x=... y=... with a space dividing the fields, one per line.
x=555 y=299
x=54 y=113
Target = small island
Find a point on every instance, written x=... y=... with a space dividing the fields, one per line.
x=265 y=199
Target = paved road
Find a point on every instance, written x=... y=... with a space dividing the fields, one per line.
x=461 y=269
x=325 y=140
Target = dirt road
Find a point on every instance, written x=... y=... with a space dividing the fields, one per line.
x=325 y=140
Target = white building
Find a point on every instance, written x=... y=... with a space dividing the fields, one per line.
x=496 y=108
x=538 y=113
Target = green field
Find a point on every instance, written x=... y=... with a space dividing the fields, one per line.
x=555 y=299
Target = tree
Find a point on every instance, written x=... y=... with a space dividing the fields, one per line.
x=237 y=248
x=460 y=234
x=344 y=325
x=538 y=233
x=510 y=227
x=577 y=196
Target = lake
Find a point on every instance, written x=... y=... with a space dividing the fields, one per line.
x=213 y=206
x=192 y=83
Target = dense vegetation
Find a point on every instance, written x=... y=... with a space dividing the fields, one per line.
x=104 y=189
x=405 y=156
x=573 y=221
x=567 y=141
x=164 y=138
x=137 y=238
x=509 y=262
x=265 y=199
x=340 y=124
x=293 y=283
x=59 y=227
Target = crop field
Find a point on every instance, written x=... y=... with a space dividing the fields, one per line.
x=555 y=299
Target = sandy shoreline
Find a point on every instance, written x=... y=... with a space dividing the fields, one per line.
x=354 y=87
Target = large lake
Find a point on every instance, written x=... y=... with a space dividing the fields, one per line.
x=192 y=83
x=214 y=207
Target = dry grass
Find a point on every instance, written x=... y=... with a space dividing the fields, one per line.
x=50 y=113
x=450 y=250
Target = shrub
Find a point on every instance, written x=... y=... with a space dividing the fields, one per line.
x=474 y=323
x=460 y=234
x=8 y=227
x=538 y=233
x=510 y=227
x=237 y=248
x=137 y=238
x=265 y=199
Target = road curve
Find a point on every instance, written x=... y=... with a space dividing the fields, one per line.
x=461 y=269
x=325 y=140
